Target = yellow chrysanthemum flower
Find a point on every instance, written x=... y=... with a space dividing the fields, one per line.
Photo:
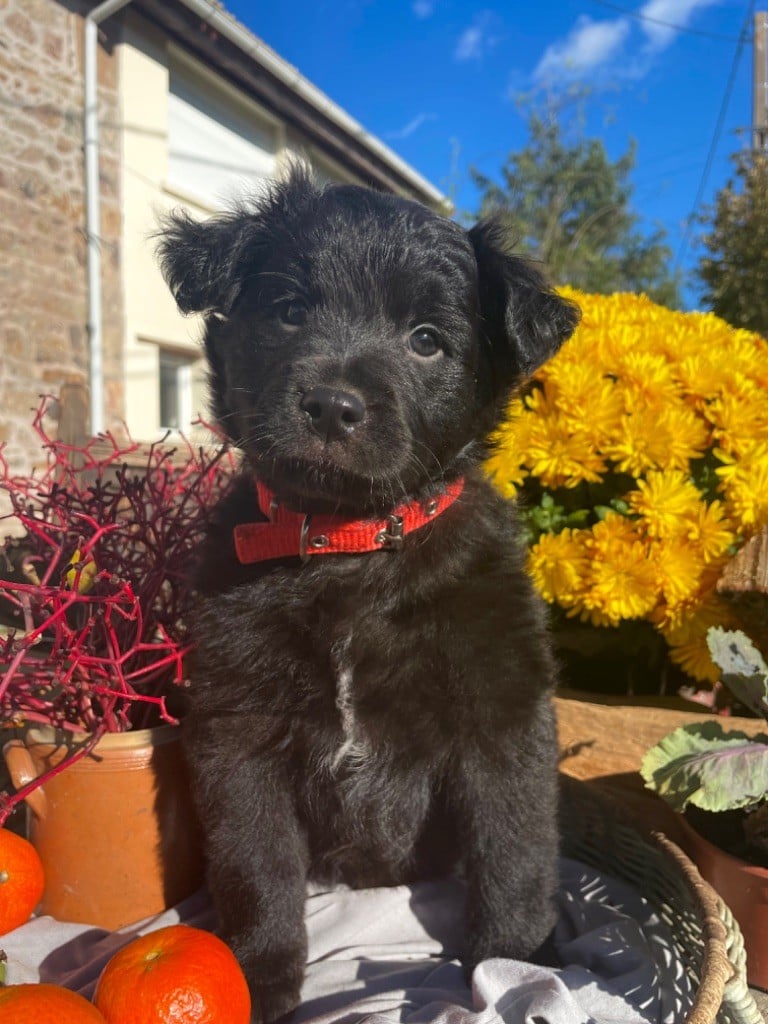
x=739 y=419
x=745 y=485
x=622 y=581
x=560 y=456
x=558 y=564
x=747 y=351
x=700 y=376
x=628 y=415
x=622 y=588
x=584 y=397
x=653 y=438
x=645 y=378
x=707 y=529
x=679 y=570
x=662 y=498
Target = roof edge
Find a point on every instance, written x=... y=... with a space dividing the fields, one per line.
x=222 y=21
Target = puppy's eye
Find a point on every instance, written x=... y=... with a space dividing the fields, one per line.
x=425 y=342
x=293 y=313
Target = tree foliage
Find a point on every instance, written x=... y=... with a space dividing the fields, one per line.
x=733 y=270
x=567 y=204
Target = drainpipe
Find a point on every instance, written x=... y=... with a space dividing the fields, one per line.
x=93 y=209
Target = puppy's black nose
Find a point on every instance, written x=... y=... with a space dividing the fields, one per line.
x=332 y=413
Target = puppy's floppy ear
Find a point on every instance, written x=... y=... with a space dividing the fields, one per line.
x=200 y=260
x=206 y=262
x=524 y=319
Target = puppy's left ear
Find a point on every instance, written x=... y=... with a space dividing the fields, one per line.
x=201 y=260
x=524 y=319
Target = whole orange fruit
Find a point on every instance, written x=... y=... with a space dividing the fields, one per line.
x=176 y=975
x=45 y=1004
x=21 y=880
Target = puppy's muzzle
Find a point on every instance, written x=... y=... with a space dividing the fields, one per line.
x=332 y=413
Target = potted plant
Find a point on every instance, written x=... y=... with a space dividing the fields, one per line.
x=95 y=596
x=639 y=455
x=718 y=780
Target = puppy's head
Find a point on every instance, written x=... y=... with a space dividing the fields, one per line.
x=360 y=345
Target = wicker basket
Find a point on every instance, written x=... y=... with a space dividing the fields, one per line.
x=707 y=939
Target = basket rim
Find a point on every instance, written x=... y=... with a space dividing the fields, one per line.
x=720 y=990
x=716 y=967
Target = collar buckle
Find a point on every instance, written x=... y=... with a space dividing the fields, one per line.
x=391 y=537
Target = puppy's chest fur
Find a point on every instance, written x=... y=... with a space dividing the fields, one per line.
x=338 y=672
x=344 y=741
x=353 y=747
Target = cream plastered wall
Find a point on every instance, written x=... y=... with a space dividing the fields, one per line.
x=151 y=317
x=152 y=321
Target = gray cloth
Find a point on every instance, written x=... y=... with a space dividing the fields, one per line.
x=389 y=956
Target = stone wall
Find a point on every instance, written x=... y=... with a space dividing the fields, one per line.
x=43 y=286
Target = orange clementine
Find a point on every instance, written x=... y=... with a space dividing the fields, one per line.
x=176 y=975
x=21 y=880
x=45 y=1004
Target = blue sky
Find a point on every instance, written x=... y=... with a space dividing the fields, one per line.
x=437 y=81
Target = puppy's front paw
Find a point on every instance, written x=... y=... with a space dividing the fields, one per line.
x=275 y=980
x=487 y=942
x=271 y=1002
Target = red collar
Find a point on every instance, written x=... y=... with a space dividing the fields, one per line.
x=290 y=533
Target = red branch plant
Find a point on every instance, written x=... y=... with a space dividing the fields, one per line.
x=97 y=590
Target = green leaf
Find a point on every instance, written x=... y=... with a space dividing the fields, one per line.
x=549 y=517
x=703 y=765
x=578 y=518
x=744 y=670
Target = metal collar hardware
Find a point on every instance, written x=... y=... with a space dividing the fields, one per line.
x=391 y=537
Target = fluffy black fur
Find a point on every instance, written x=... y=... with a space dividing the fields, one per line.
x=378 y=718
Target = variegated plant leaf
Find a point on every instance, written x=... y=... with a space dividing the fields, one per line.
x=743 y=669
x=703 y=765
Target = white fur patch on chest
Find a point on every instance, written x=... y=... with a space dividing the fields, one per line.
x=353 y=747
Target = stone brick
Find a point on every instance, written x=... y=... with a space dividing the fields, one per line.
x=54 y=45
x=43 y=286
x=14 y=344
x=18 y=25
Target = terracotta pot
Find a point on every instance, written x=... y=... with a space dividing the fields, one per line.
x=744 y=888
x=116 y=830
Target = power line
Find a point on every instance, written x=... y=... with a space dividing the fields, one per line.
x=667 y=24
x=743 y=38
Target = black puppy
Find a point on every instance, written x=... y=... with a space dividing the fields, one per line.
x=371 y=696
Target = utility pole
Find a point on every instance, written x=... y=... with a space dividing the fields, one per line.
x=760 y=83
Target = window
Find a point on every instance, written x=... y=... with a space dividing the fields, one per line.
x=217 y=147
x=175 y=391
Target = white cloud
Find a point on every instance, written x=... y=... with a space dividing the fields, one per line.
x=424 y=8
x=589 y=45
x=470 y=44
x=477 y=40
x=676 y=12
x=412 y=126
x=599 y=46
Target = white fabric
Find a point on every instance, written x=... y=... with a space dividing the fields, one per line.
x=389 y=956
